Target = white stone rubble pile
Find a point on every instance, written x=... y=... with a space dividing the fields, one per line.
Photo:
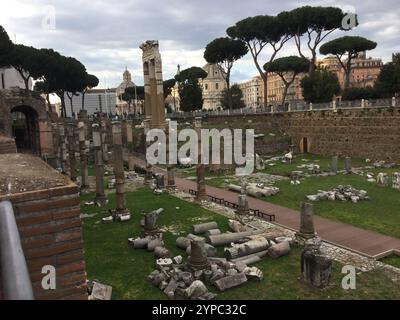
x=340 y=193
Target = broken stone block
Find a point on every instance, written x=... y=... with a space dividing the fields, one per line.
x=162 y=252
x=155 y=243
x=231 y=272
x=240 y=266
x=109 y=219
x=207 y=274
x=229 y=282
x=236 y=226
x=191 y=236
x=210 y=250
x=100 y=292
x=139 y=243
x=170 y=289
x=178 y=259
x=278 y=250
x=187 y=278
x=164 y=262
x=212 y=232
x=218 y=274
x=195 y=290
x=182 y=243
x=203 y=227
x=253 y=273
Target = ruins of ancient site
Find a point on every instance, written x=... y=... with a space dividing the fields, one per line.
x=265 y=167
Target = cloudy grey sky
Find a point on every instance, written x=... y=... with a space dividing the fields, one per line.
x=105 y=34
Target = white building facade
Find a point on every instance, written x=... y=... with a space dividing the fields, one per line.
x=252 y=92
x=9 y=78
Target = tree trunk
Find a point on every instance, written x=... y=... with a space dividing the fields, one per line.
x=285 y=94
x=264 y=78
x=228 y=85
x=62 y=98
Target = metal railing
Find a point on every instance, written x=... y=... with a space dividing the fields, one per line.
x=16 y=282
x=298 y=106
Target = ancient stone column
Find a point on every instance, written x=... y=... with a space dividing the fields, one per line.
x=83 y=156
x=243 y=205
x=63 y=148
x=104 y=145
x=153 y=84
x=348 y=165
x=129 y=142
x=316 y=268
x=148 y=177
x=334 y=166
x=200 y=169
x=119 y=169
x=99 y=167
x=306 y=230
x=71 y=152
x=171 y=143
x=150 y=223
x=198 y=255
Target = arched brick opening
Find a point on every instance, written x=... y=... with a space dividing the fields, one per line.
x=305 y=145
x=25 y=129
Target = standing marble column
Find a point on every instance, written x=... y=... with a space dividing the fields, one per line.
x=307 y=229
x=129 y=142
x=348 y=165
x=200 y=169
x=119 y=170
x=334 y=166
x=100 y=199
x=148 y=177
x=104 y=145
x=83 y=156
x=170 y=166
x=71 y=152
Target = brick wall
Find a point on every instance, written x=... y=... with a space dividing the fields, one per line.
x=49 y=224
x=359 y=133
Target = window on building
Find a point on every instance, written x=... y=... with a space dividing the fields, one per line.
x=216 y=86
x=206 y=86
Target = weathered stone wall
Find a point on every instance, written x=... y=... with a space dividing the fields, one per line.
x=368 y=133
x=360 y=133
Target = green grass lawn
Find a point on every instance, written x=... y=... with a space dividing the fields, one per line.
x=393 y=260
x=380 y=214
x=111 y=261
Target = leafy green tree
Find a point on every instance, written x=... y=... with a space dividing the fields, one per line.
x=75 y=79
x=388 y=83
x=6 y=47
x=360 y=93
x=168 y=85
x=224 y=52
x=190 y=91
x=258 y=32
x=26 y=60
x=287 y=68
x=320 y=86
x=345 y=49
x=315 y=23
x=133 y=94
x=232 y=98
x=91 y=81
